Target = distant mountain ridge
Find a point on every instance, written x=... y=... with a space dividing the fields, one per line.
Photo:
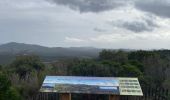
x=8 y=51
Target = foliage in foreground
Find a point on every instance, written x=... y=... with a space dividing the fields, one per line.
x=23 y=77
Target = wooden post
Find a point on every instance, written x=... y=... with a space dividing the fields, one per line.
x=65 y=96
x=113 y=97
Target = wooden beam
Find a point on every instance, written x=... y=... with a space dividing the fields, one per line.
x=113 y=97
x=65 y=96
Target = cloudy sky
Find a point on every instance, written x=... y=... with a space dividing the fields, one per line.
x=131 y=24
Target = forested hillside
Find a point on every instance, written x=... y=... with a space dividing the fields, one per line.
x=22 y=78
x=9 y=51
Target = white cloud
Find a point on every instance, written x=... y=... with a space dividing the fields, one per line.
x=133 y=41
x=109 y=38
x=74 y=40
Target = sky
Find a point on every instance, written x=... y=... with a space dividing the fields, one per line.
x=130 y=24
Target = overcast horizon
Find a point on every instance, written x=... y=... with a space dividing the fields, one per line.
x=129 y=24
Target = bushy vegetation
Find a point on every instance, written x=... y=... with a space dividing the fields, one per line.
x=22 y=79
x=7 y=91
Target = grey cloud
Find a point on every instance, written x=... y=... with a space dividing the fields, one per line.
x=137 y=26
x=151 y=22
x=157 y=7
x=99 y=30
x=91 y=5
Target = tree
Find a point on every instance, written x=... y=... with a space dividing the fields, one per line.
x=130 y=71
x=0 y=67
x=26 y=73
x=106 y=55
x=7 y=92
x=90 y=68
x=24 y=65
x=117 y=56
x=138 y=64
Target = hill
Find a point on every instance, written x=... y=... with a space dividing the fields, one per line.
x=10 y=50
